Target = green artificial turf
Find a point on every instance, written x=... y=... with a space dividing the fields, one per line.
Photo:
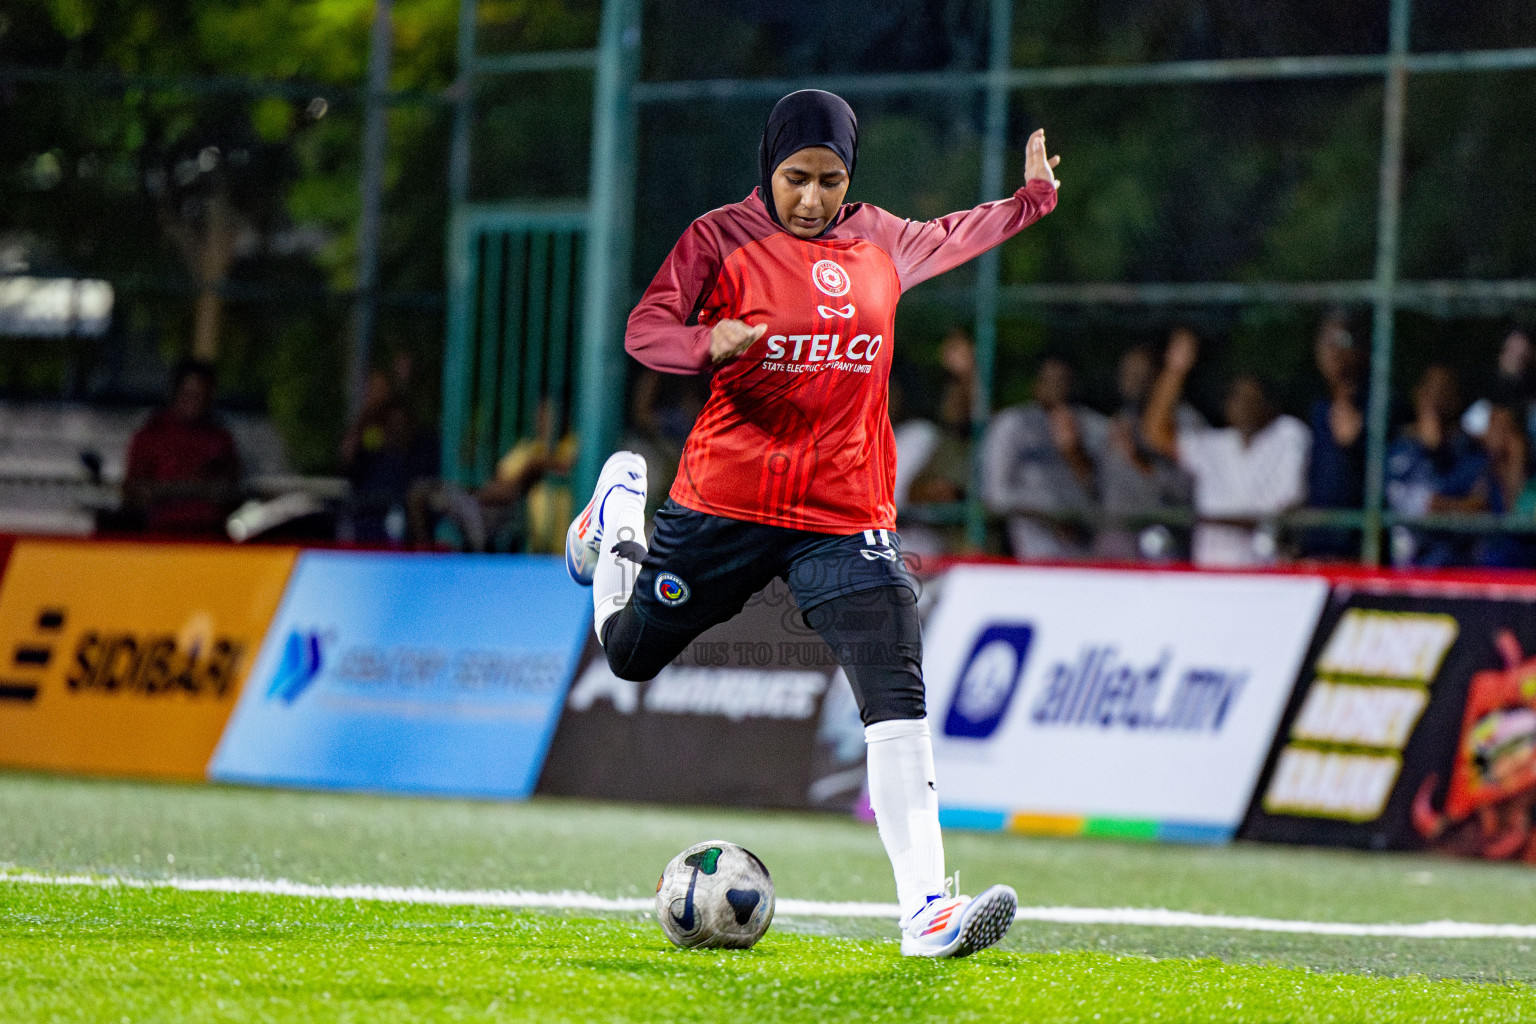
x=135 y=955
x=73 y=953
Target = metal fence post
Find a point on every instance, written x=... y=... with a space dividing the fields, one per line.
x=458 y=345
x=458 y=339
x=1388 y=206
x=610 y=240
x=370 y=219
x=994 y=156
x=463 y=97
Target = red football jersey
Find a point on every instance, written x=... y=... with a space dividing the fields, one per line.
x=796 y=431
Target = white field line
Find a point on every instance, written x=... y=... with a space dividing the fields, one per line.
x=567 y=900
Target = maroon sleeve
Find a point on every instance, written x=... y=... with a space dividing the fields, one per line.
x=138 y=461
x=227 y=462
x=924 y=249
x=663 y=331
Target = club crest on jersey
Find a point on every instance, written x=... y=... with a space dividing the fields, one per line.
x=670 y=590
x=830 y=279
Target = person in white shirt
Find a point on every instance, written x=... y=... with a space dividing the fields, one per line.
x=1040 y=468
x=1252 y=469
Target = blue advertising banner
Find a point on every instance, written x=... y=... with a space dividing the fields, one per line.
x=410 y=673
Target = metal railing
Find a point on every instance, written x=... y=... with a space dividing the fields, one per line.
x=623 y=94
x=514 y=283
x=1383 y=291
x=619 y=94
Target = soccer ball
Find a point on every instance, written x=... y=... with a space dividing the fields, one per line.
x=715 y=894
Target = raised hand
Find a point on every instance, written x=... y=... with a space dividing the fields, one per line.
x=1064 y=433
x=1183 y=349
x=1345 y=422
x=730 y=338
x=1159 y=425
x=1037 y=166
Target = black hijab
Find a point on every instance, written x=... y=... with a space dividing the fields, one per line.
x=800 y=120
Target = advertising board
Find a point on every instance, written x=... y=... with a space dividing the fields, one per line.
x=410 y=673
x=1414 y=728
x=754 y=713
x=1133 y=704
x=128 y=658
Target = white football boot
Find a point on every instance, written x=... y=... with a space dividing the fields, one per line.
x=951 y=926
x=624 y=471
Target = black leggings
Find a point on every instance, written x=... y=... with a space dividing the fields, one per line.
x=874 y=633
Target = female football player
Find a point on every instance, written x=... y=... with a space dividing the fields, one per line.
x=790 y=295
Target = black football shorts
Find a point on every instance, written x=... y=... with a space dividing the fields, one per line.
x=702 y=569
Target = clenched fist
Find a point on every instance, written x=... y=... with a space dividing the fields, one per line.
x=730 y=338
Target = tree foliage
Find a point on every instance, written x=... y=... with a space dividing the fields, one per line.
x=1241 y=181
x=207 y=191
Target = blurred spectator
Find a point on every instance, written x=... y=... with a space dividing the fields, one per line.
x=537 y=470
x=1514 y=382
x=183 y=471
x=1253 y=468
x=402 y=372
x=366 y=432
x=391 y=456
x=1512 y=385
x=1135 y=478
x=1435 y=468
x=525 y=506
x=933 y=460
x=915 y=438
x=1336 y=473
x=662 y=409
x=1041 y=464
x=1508 y=448
x=1508 y=453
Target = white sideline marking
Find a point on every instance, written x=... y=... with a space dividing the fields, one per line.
x=567 y=900
x=1158 y=918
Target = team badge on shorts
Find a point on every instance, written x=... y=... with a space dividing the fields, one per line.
x=670 y=590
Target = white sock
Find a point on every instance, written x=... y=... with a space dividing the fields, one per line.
x=614 y=578
x=906 y=804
